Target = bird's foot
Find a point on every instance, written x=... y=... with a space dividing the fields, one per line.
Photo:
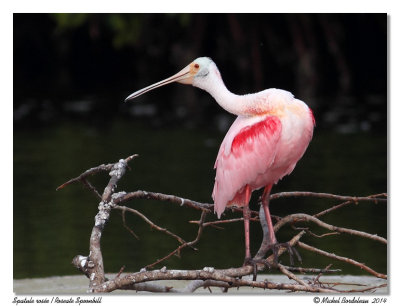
x=248 y=261
x=291 y=251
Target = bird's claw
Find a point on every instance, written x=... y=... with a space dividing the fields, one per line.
x=291 y=251
x=248 y=261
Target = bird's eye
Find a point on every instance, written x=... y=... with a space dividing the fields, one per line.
x=196 y=66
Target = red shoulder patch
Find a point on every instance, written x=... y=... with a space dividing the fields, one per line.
x=245 y=137
x=312 y=116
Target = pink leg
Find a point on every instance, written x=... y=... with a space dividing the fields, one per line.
x=265 y=202
x=246 y=217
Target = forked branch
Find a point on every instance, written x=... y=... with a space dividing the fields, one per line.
x=92 y=265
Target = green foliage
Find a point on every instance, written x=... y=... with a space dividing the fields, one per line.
x=66 y=22
x=126 y=28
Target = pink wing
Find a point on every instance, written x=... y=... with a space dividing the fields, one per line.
x=246 y=153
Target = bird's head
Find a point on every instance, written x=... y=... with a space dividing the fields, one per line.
x=194 y=74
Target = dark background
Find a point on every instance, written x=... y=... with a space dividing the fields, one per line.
x=72 y=73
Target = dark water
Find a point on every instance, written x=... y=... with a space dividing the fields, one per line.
x=51 y=227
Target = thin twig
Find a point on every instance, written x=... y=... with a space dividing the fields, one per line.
x=148 y=221
x=120 y=271
x=324 y=212
x=89 y=186
x=304 y=217
x=367 y=289
x=311 y=270
x=344 y=259
x=290 y=275
x=212 y=223
x=85 y=174
x=325 y=196
x=140 y=194
x=101 y=168
x=127 y=227
x=184 y=244
x=316 y=279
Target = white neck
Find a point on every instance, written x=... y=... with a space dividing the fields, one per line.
x=229 y=101
x=243 y=105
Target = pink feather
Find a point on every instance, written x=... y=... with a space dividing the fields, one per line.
x=257 y=151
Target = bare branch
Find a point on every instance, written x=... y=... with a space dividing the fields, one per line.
x=139 y=194
x=103 y=167
x=120 y=272
x=88 y=185
x=196 y=284
x=184 y=244
x=368 y=289
x=316 y=279
x=228 y=276
x=83 y=177
x=95 y=271
x=213 y=223
x=324 y=212
x=127 y=227
x=290 y=275
x=151 y=287
x=85 y=174
x=148 y=221
x=92 y=265
x=327 y=196
x=304 y=217
x=344 y=259
x=312 y=270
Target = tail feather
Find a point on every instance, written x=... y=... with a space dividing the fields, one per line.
x=238 y=200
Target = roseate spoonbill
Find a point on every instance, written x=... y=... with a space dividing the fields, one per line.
x=269 y=136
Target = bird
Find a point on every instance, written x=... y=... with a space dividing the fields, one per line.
x=271 y=133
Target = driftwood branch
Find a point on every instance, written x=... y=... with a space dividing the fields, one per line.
x=373 y=198
x=146 y=279
x=140 y=194
x=307 y=218
x=341 y=258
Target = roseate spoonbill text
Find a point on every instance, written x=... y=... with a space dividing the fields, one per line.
x=269 y=136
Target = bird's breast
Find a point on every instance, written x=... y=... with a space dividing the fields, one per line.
x=297 y=131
